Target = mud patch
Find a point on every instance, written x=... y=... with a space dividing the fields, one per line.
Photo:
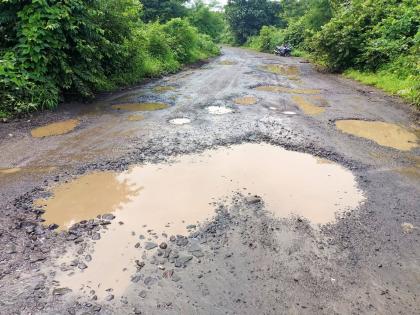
x=55 y=129
x=285 y=70
x=7 y=171
x=219 y=110
x=135 y=118
x=246 y=100
x=306 y=106
x=140 y=107
x=282 y=89
x=150 y=200
x=180 y=121
x=384 y=134
x=164 y=88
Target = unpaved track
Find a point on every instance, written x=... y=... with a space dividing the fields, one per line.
x=365 y=263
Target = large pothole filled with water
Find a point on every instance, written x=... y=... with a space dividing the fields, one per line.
x=154 y=201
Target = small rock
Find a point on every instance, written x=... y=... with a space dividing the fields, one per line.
x=96 y=236
x=150 y=245
x=253 y=200
x=88 y=258
x=82 y=266
x=163 y=245
x=172 y=238
x=143 y=294
x=53 y=226
x=168 y=274
x=149 y=281
x=108 y=217
x=176 y=278
x=137 y=311
x=140 y=264
x=61 y=291
x=182 y=260
x=110 y=297
x=191 y=226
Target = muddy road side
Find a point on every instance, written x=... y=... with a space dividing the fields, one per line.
x=252 y=184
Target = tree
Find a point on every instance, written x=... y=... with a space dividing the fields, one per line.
x=247 y=17
x=163 y=10
x=207 y=21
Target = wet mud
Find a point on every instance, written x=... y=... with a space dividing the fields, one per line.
x=385 y=134
x=140 y=107
x=306 y=106
x=246 y=100
x=55 y=129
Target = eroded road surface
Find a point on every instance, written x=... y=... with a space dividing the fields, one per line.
x=250 y=185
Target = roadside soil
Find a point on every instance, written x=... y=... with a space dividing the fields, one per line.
x=243 y=258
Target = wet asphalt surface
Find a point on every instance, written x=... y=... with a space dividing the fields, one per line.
x=243 y=261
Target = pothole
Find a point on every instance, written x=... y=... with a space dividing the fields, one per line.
x=152 y=199
x=246 y=100
x=286 y=70
x=55 y=129
x=135 y=118
x=306 y=106
x=384 y=134
x=219 y=110
x=282 y=89
x=180 y=121
x=140 y=107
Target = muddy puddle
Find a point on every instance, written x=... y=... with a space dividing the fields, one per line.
x=55 y=129
x=246 y=100
x=219 y=110
x=135 y=118
x=384 y=134
x=285 y=70
x=140 y=107
x=307 y=106
x=282 y=89
x=165 y=198
x=180 y=121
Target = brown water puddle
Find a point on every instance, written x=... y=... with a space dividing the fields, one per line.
x=135 y=118
x=164 y=198
x=281 y=89
x=141 y=107
x=384 y=134
x=86 y=198
x=6 y=171
x=246 y=100
x=286 y=70
x=307 y=107
x=163 y=88
x=55 y=129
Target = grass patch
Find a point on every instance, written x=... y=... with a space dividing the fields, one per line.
x=407 y=88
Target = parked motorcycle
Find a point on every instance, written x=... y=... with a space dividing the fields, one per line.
x=283 y=51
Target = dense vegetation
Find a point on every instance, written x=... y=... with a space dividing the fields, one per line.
x=55 y=49
x=374 y=41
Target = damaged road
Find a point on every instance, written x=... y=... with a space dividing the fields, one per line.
x=250 y=185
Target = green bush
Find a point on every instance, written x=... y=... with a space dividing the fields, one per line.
x=267 y=40
x=52 y=50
